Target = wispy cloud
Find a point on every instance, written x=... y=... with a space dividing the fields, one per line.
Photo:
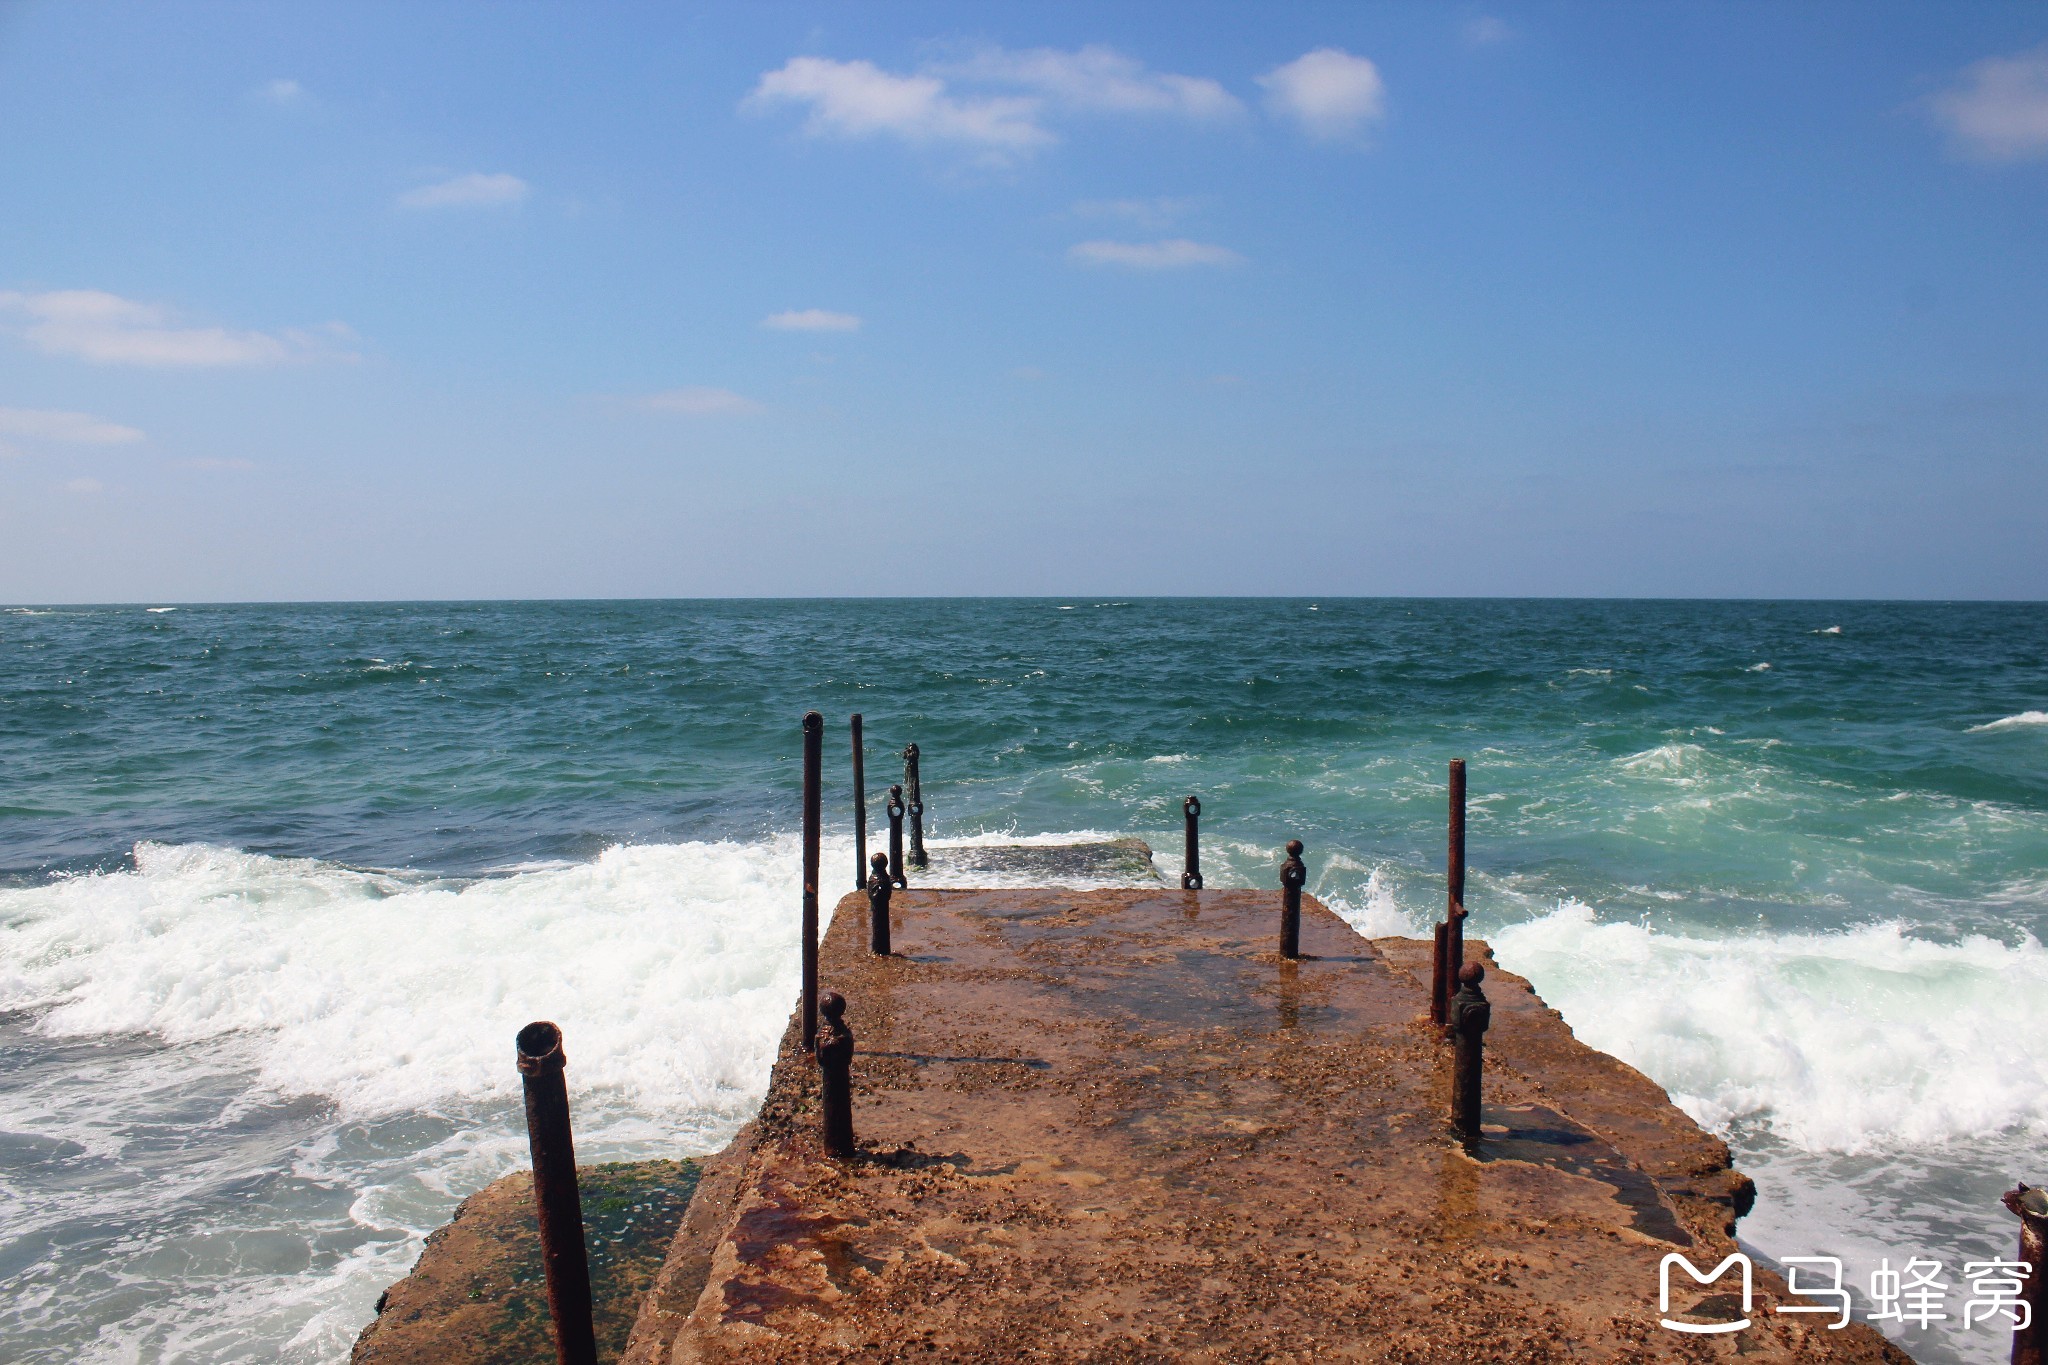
x=697 y=401
x=1176 y=254
x=811 y=320
x=106 y=329
x=281 y=91
x=1329 y=92
x=993 y=100
x=859 y=99
x=1096 y=79
x=474 y=190
x=1146 y=213
x=66 y=428
x=1998 y=110
x=1485 y=30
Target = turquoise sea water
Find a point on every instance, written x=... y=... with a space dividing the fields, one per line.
x=277 y=884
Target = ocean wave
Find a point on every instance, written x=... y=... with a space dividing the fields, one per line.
x=1862 y=1040
x=2023 y=720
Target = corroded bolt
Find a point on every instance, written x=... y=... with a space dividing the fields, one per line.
x=835 y=1074
x=880 y=888
x=557 y=1203
x=896 y=834
x=1191 y=867
x=1470 y=1015
x=2030 y=1343
x=1293 y=876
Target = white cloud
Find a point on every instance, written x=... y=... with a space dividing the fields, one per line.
x=475 y=190
x=1175 y=254
x=994 y=100
x=1999 y=111
x=91 y=324
x=68 y=428
x=1098 y=79
x=697 y=401
x=811 y=320
x=281 y=91
x=1486 y=30
x=1151 y=213
x=859 y=99
x=1329 y=92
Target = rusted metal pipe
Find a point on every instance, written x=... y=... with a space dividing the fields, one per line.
x=1454 y=908
x=1470 y=1015
x=879 y=889
x=896 y=835
x=1449 y=956
x=835 y=1076
x=860 y=808
x=814 y=755
x=2030 y=1204
x=910 y=780
x=557 y=1204
x=1439 y=998
x=1293 y=876
x=1191 y=864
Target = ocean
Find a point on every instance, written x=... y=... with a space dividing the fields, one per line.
x=278 y=884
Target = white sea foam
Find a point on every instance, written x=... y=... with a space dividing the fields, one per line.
x=1829 y=630
x=1757 y=668
x=2021 y=721
x=1853 y=1041
x=669 y=967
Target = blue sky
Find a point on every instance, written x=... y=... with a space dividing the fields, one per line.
x=372 y=301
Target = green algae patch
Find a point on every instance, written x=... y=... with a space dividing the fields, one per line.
x=479 y=1293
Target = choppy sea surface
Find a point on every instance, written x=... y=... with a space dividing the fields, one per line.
x=279 y=883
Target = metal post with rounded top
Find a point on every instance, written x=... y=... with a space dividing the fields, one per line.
x=916 y=786
x=557 y=1203
x=1470 y=1016
x=879 y=889
x=896 y=834
x=835 y=1076
x=1293 y=876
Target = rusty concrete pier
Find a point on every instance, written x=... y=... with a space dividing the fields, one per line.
x=1118 y=1126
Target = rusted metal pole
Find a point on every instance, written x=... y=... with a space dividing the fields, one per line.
x=835 y=1076
x=1191 y=864
x=2030 y=1343
x=1454 y=867
x=860 y=807
x=910 y=780
x=879 y=889
x=1439 y=999
x=1293 y=876
x=1450 y=938
x=814 y=762
x=1470 y=1015
x=896 y=835
x=557 y=1204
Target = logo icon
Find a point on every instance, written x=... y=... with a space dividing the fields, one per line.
x=1664 y=1292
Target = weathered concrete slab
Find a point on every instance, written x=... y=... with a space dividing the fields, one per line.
x=1112 y=1125
x=1115 y=861
x=479 y=1294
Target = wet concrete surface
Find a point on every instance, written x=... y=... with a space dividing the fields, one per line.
x=1116 y=1126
